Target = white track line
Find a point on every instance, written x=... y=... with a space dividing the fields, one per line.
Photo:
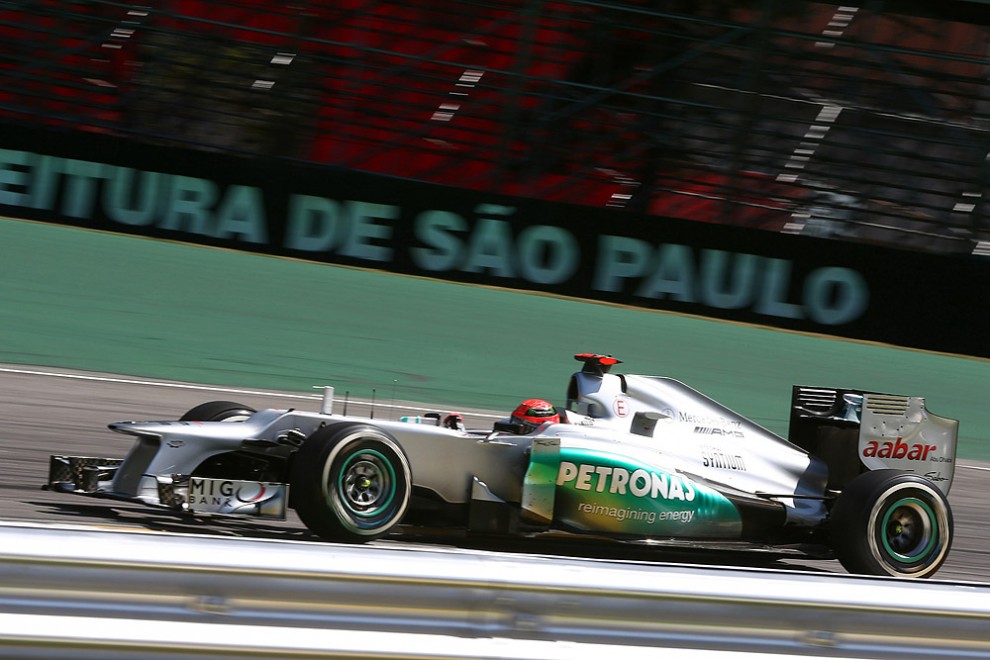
x=180 y=386
x=208 y=388
x=211 y=388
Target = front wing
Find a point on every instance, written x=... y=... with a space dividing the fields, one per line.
x=93 y=476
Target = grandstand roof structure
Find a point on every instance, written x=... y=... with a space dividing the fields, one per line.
x=865 y=122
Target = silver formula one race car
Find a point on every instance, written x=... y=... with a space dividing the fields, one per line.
x=864 y=477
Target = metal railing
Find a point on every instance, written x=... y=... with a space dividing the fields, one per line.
x=74 y=592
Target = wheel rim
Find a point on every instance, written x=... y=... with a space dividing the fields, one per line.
x=908 y=531
x=366 y=483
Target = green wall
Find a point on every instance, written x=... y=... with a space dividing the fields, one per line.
x=104 y=302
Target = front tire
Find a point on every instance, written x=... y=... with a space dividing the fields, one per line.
x=351 y=482
x=890 y=522
x=218 y=411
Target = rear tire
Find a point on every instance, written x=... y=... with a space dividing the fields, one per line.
x=351 y=482
x=890 y=522
x=218 y=411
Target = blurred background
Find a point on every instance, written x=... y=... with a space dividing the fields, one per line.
x=712 y=111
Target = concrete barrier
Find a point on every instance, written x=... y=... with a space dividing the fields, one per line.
x=83 y=592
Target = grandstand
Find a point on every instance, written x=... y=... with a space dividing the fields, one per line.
x=864 y=123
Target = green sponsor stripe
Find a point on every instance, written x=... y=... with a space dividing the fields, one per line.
x=607 y=492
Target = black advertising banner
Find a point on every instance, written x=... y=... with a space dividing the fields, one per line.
x=921 y=300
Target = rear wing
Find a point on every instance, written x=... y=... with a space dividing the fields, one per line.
x=855 y=431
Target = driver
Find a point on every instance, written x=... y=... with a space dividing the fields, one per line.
x=531 y=413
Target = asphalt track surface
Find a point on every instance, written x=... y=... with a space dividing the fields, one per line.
x=75 y=301
x=58 y=411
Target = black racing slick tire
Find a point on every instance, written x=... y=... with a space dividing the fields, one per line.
x=351 y=483
x=218 y=411
x=890 y=522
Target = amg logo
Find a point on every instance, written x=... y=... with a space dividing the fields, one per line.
x=714 y=457
x=715 y=430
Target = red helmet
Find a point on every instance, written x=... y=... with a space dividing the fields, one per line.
x=533 y=412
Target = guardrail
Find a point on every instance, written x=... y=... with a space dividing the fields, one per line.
x=77 y=592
